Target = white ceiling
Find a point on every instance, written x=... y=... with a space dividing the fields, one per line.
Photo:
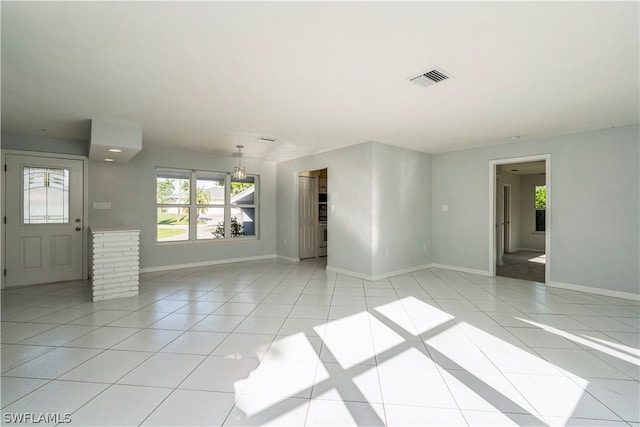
x=209 y=75
x=526 y=168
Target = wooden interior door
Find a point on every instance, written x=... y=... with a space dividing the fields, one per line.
x=308 y=186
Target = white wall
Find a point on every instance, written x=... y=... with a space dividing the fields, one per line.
x=381 y=219
x=131 y=190
x=595 y=207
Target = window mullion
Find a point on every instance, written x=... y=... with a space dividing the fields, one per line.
x=193 y=207
x=227 y=207
x=255 y=207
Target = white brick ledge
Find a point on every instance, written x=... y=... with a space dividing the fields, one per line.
x=115 y=262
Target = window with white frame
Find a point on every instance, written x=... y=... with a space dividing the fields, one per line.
x=540 y=207
x=205 y=205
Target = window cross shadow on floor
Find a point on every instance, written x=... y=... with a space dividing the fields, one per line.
x=342 y=379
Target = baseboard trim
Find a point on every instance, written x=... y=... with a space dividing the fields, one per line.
x=286 y=258
x=461 y=269
x=349 y=273
x=374 y=277
x=597 y=291
x=205 y=263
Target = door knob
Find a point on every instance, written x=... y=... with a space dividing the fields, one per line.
x=78 y=228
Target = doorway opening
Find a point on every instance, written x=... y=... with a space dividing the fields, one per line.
x=520 y=218
x=313 y=213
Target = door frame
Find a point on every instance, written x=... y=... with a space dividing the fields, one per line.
x=296 y=204
x=85 y=204
x=493 y=230
x=506 y=219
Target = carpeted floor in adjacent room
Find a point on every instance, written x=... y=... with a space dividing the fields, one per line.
x=525 y=265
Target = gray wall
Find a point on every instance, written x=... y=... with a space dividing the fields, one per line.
x=595 y=206
x=379 y=208
x=131 y=190
x=594 y=186
x=401 y=195
x=349 y=221
x=43 y=144
x=516 y=213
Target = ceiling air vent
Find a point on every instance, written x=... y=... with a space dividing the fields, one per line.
x=430 y=77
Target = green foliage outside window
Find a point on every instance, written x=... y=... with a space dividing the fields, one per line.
x=165 y=190
x=236 y=229
x=541 y=196
x=541 y=205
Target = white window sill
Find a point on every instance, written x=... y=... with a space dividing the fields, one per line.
x=207 y=241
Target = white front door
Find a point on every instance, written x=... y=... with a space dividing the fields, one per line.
x=44 y=213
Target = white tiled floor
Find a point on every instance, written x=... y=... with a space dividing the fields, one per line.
x=279 y=343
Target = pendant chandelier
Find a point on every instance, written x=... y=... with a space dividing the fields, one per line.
x=239 y=172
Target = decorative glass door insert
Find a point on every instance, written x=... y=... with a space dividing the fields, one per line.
x=45 y=195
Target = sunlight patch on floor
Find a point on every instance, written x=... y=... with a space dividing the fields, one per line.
x=542 y=259
x=621 y=347
x=465 y=355
x=589 y=343
x=413 y=315
x=348 y=339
